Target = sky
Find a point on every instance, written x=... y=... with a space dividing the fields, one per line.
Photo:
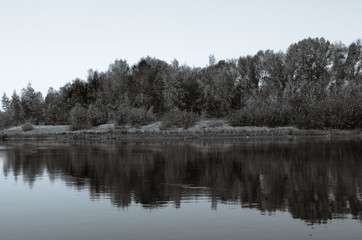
x=51 y=42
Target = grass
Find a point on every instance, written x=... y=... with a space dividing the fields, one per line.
x=202 y=129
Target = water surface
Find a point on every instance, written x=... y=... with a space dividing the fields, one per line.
x=204 y=189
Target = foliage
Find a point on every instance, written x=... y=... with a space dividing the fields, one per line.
x=15 y=110
x=55 y=109
x=5 y=120
x=272 y=115
x=31 y=104
x=5 y=101
x=78 y=118
x=122 y=114
x=141 y=116
x=177 y=118
x=27 y=127
x=332 y=113
x=315 y=84
x=96 y=116
x=336 y=113
x=134 y=116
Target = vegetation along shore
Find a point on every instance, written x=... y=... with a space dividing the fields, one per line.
x=314 y=85
x=202 y=129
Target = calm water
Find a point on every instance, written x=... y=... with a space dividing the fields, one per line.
x=205 y=189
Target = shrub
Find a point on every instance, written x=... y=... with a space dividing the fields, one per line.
x=122 y=114
x=277 y=115
x=96 y=116
x=239 y=118
x=140 y=116
x=78 y=118
x=134 y=116
x=27 y=127
x=272 y=116
x=331 y=113
x=177 y=118
x=350 y=114
x=5 y=120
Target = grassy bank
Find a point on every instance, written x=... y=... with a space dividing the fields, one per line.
x=203 y=129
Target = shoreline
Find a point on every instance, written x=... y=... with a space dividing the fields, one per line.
x=203 y=129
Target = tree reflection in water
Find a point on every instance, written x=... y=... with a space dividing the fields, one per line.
x=313 y=180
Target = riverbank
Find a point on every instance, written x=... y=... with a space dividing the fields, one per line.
x=203 y=129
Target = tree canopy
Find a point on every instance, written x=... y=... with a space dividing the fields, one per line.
x=312 y=76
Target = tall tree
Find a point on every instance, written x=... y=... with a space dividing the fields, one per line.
x=93 y=86
x=217 y=83
x=55 y=108
x=116 y=83
x=354 y=61
x=15 y=109
x=190 y=89
x=271 y=70
x=338 y=60
x=31 y=103
x=307 y=67
x=5 y=101
x=149 y=77
x=75 y=92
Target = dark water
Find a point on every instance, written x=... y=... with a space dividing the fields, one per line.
x=205 y=189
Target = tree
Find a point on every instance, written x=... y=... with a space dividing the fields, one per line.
x=93 y=86
x=78 y=118
x=15 y=109
x=212 y=60
x=271 y=70
x=217 y=83
x=75 y=92
x=55 y=108
x=150 y=79
x=31 y=103
x=338 y=69
x=190 y=90
x=354 y=61
x=247 y=83
x=96 y=115
x=247 y=67
x=5 y=101
x=115 y=83
x=306 y=65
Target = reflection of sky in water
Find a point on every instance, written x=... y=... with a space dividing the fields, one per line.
x=48 y=209
x=37 y=204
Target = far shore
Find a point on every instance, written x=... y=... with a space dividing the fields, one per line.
x=203 y=129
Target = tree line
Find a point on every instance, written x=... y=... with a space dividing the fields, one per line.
x=315 y=84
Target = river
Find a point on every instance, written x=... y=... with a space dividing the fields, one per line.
x=171 y=189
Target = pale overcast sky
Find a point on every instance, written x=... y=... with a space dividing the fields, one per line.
x=51 y=42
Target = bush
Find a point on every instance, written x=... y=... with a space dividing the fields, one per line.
x=177 y=118
x=5 y=120
x=331 y=113
x=140 y=116
x=122 y=114
x=27 y=127
x=96 y=116
x=78 y=118
x=351 y=114
x=272 y=115
x=239 y=118
x=134 y=116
